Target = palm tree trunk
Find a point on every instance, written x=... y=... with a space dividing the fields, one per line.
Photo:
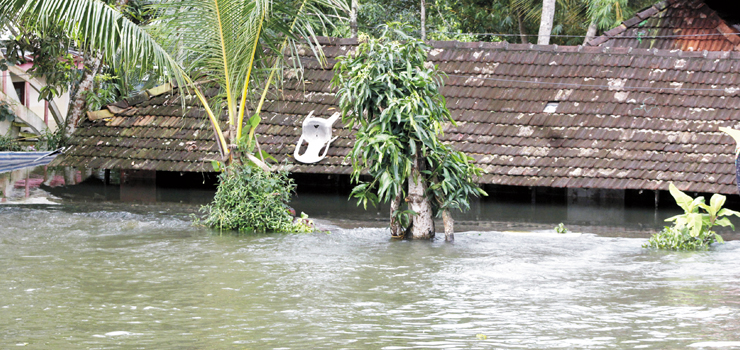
x=522 y=29
x=78 y=102
x=422 y=224
x=423 y=20
x=353 y=18
x=591 y=33
x=546 y=21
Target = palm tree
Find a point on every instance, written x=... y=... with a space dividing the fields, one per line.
x=217 y=40
x=546 y=21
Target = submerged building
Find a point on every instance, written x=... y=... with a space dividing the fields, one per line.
x=577 y=118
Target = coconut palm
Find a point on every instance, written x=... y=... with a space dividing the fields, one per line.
x=230 y=42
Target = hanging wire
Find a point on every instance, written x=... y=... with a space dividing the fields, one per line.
x=731 y=90
x=583 y=36
x=534 y=35
x=588 y=86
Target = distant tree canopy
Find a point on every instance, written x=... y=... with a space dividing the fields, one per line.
x=515 y=20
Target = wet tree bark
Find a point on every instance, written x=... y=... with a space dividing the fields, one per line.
x=397 y=230
x=422 y=224
x=449 y=225
x=78 y=102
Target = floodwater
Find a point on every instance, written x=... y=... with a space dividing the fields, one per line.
x=108 y=275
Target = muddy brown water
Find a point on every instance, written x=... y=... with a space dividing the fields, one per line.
x=87 y=274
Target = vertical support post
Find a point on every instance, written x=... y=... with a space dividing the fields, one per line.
x=657 y=198
x=46 y=112
x=28 y=183
x=4 y=82
x=534 y=195
x=26 y=90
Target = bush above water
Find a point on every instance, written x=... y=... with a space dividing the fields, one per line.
x=692 y=230
x=250 y=199
x=672 y=238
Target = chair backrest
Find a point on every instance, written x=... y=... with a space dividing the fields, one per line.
x=317 y=133
x=316 y=130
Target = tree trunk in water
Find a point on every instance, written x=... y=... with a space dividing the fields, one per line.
x=548 y=16
x=591 y=33
x=70 y=176
x=422 y=224
x=397 y=230
x=353 y=18
x=449 y=225
x=423 y=20
x=522 y=30
x=78 y=102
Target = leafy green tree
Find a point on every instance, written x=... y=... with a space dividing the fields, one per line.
x=389 y=90
x=49 y=45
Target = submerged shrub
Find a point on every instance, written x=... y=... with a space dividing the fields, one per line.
x=250 y=199
x=673 y=238
x=692 y=230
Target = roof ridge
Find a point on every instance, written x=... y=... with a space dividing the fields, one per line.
x=611 y=50
x=696 y=5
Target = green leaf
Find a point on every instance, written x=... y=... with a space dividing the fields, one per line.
x=728 y=212
x=695 y=224
x=724 y=222
x=716 y=203
x=216 y=166
x=255 y=120
x=683 y=200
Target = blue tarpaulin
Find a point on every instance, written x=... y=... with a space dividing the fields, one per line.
x=10 y=161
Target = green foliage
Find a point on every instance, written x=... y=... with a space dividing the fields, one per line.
x=672 y=238
x=693 y=229
x=49 y=46
x=104 y=92
x=447 y=19
x=9 y=144
x=249 y=199
x=389 y=89
x=6 y=114
x=51 y=141
x=560 y=228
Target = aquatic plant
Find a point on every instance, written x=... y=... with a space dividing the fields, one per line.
x=250 y=199
x=560 y=228
x=692 y=230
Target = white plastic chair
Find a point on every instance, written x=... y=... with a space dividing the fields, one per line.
x=317 y=134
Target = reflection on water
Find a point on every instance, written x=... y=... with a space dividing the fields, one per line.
x=78 y=276
x=501 y=211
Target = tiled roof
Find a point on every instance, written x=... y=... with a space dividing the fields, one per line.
x=145 y=132
x=688 y=25
x=623 y=119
